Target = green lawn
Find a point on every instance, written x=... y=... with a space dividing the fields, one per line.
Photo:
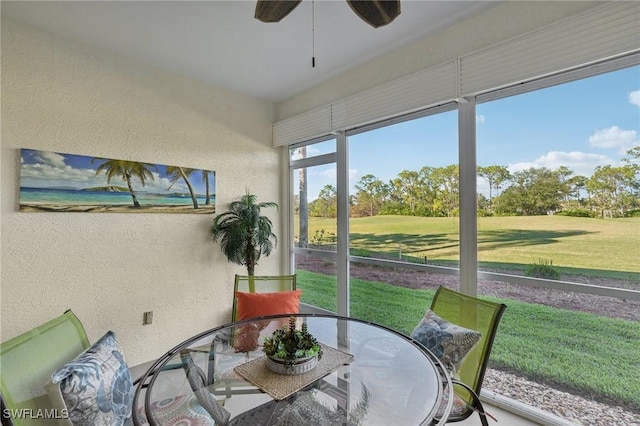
x=597 y=247
x=593 y=355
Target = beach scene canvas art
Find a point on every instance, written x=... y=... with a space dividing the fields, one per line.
x=59 y=182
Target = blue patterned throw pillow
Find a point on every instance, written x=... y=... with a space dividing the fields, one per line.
x=96 y=386
x=449 y=342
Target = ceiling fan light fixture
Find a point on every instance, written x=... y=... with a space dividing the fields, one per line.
x=376 y=13
x=274 y=11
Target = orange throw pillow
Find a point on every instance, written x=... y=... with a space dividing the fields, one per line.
x=251 y=305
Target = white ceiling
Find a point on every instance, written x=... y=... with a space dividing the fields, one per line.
x=220 y=42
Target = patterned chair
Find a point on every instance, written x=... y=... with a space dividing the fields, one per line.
x=53 y=371
x=460 y=329
x=28 y=360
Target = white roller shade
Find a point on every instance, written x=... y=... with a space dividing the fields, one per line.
x=604 y=32
x=600 y=33
x=305 y=126
x=425 y=88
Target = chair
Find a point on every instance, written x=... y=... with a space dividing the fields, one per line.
x=475 y=314
x=260 y=284
x=28 y=395
x=246 y=284
x=27 y=361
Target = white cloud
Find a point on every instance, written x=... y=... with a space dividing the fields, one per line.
x=353 y=173
x=50 y=159
x=332 y=174
x=311 y=151
x=483 y=186
x=480 y=119
x=329 y=173
x=518 y=167
x=159 y=184
x=581 y=163
x=51 y=171
x=318 y=179
x=58 y=175
x=634 y=97
x=614 y=138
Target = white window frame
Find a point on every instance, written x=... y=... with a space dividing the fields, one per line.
x=468 y=271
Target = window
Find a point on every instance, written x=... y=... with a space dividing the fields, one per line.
x=557 y=165
x=559 y=200
x=404 y=204
x=315 y=222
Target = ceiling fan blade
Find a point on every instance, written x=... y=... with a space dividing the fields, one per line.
x=376 y=13
x=274 y=10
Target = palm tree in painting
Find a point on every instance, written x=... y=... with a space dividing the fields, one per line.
x=126 y=170
x=205 y=180
x=175 y=173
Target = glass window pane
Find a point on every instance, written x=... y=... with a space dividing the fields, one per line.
x=405 y=190
x=315 y=219
x=312 y=150
x=404 y=208
x=558 y=199
x=315 y=227
x=317 y=278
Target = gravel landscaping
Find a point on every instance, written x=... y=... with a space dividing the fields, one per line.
x=581 y=411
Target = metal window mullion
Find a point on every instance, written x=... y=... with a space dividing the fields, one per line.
x=317 y=160
x=468 y=190
x=342 y=251
x=288 y=261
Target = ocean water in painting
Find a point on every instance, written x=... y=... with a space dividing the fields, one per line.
x=86 y=197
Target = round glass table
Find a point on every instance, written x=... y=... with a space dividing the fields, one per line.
x=368 y=374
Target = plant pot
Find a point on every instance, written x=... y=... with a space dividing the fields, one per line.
x=302 y=365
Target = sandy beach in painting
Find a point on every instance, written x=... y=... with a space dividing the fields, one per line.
x=119 y=208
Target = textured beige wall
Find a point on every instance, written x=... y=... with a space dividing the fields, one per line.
x=110 y=268
x=502 y=22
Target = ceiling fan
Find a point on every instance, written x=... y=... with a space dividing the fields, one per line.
x=376 y=13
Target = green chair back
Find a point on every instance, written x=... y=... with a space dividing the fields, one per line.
x=475 y=314
x=261 y=284
x=28 y=360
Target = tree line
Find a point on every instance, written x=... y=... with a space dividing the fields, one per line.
x=434 y=191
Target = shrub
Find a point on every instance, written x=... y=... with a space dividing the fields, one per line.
x=577 y=213
x=360 y=252
x=317 y=238
x=543 y=269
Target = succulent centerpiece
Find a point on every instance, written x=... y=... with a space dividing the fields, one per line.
x=292 y=351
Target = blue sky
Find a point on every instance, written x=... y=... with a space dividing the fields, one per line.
x=580 y=125
x=42 y=169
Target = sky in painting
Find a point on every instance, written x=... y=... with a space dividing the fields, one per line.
x=580 y=125
x=42 y=169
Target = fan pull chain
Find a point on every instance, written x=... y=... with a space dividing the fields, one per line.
x=313 y=33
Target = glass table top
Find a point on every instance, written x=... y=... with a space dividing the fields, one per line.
x=368 y=375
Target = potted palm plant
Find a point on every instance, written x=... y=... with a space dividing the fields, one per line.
x=291 y=350
x=245 y=234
